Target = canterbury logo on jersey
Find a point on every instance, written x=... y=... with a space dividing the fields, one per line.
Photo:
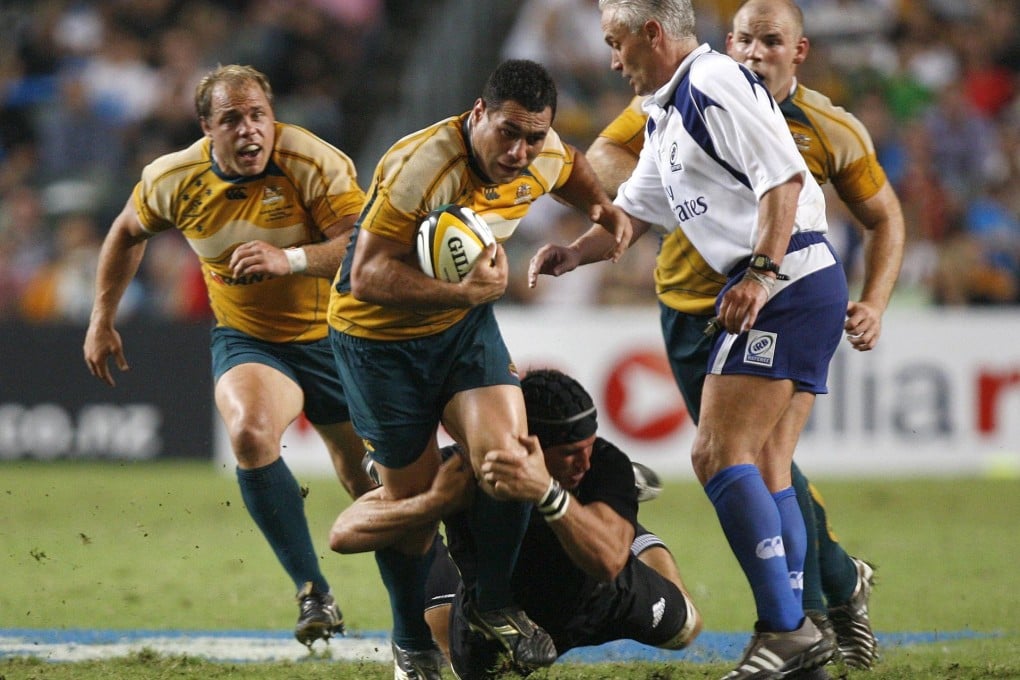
x=236 y=194
x=240 y=280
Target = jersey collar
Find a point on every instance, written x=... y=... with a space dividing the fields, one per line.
x=664 y=95
x=465 y=129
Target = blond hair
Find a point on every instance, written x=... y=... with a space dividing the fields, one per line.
x=233 y=76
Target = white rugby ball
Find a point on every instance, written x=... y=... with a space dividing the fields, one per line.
x=450 y=240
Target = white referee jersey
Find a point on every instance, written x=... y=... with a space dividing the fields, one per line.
x=715 y=142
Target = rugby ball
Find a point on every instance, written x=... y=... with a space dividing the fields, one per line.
x=450 y=240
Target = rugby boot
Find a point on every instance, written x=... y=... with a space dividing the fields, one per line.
x=527 y=644
x=320 y=617
x=852 y=623
x=777 y=655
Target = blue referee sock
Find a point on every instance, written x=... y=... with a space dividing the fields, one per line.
x=404 y=577
x=497 y=528
x=794 y=538
x=273 y=498
x=751 y=522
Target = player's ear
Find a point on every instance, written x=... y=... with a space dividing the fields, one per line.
x=801 y=52
x=478 y=110
x=652 y=31
x=206 y=128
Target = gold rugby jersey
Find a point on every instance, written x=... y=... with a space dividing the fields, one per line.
x=307 y=186
x=836 y=147
x=628 y=128
x=421 y=172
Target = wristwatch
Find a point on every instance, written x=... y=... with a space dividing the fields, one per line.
x=763 y=263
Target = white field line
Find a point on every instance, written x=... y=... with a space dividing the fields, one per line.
x=208 y=646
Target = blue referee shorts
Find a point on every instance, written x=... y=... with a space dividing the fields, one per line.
x=799 y=328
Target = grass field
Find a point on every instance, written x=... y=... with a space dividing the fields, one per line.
x=170 y=546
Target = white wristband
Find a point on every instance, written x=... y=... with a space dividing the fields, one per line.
x=298 y=259
x=561 y=510
x=766 y=282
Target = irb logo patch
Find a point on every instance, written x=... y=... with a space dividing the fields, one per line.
x=761 y=348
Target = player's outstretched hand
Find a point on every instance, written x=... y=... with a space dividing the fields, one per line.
x=552 y=260
x=101 y=343
x=258 y=257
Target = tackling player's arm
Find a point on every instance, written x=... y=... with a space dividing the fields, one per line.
x=594 y=537
x=884 y=236
x=313 y=259
x=375 y=521
x=119 y=259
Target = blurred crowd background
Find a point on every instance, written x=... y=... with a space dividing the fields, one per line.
x=92 y=90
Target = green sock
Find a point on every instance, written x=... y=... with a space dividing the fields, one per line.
x=497 y=528
x=838 y=571
x=273 y=498
x=814 y=600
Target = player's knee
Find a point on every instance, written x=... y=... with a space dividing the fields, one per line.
x=703 y=464
x=254 y=441
x=687 y=632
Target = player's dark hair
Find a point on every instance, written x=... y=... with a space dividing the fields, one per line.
x=523 y=81
x=233 y=76
x=560 y=410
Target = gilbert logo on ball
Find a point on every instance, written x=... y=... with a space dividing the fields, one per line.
x=450 y=240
